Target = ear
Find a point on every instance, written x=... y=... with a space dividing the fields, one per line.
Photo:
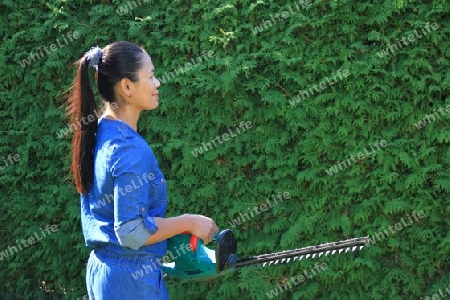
x=126 y=87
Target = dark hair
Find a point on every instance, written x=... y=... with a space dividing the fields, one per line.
x=118 y=60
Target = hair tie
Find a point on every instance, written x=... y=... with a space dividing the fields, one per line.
x=93 y=56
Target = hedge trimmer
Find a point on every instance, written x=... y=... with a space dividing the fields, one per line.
x=203 y=263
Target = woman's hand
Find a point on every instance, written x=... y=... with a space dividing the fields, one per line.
x=202 y=227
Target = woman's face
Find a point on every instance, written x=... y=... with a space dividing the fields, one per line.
x=145 y=91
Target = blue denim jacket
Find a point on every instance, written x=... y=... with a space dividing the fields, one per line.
x=128 y=191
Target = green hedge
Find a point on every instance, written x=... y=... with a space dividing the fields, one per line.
x=319 y=82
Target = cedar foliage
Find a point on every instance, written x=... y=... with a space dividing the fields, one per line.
x=251 y=77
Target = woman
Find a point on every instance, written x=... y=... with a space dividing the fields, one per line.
x=123 y=192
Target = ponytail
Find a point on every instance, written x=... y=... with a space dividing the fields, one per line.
x=116 y=61
x=83 y=111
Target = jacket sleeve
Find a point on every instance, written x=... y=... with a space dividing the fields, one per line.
x=130 y=168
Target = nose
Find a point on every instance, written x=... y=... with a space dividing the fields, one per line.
x=158 y=83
